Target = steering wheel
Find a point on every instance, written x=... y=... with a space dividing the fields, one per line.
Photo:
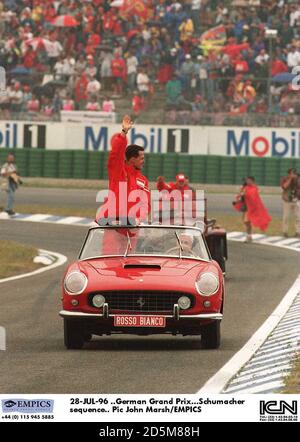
x=177 y=248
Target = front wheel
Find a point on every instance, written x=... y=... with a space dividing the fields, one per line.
x=73 y=335
x=211 y=335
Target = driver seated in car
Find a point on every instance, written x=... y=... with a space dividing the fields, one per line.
x=187 y=241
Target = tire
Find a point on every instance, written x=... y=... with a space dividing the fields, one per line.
x=221 y=262
x=211 y=335
x=73 y=335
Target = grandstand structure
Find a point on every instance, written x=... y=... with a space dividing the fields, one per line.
x=195 y=62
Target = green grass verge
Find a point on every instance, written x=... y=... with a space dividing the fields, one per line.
x=55 y=210
x=234 y=223
x=292 y=381
x=16 y=259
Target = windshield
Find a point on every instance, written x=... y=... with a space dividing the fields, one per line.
x=158 y=241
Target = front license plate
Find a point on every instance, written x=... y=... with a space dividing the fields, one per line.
x=139 y=321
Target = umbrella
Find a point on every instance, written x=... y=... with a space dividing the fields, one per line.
x=56 y=83
x=240 y=3
x=64 y=21
x=284 y=77
x=117 y=4
x=37 y=43
x=20 y=70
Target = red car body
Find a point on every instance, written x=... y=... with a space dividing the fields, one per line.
x=145 y=292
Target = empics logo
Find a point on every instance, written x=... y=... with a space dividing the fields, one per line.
x=278 y=410
x=17 y=405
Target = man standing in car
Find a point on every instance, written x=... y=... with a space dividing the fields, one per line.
x=290 y=185
x=125 y=164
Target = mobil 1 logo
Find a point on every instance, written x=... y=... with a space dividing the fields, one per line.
x=34 y=136
x=178 y=140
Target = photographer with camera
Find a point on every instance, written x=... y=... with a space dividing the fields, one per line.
x=9 y=172
x=290 y=185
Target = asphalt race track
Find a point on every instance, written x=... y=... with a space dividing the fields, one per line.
x=37 y=362
x=84 y=198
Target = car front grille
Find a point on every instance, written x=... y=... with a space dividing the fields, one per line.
x=143 y=301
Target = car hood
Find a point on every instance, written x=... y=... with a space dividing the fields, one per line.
x=143 y=266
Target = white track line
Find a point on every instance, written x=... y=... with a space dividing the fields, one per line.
x=59 y=260
x=218 y=382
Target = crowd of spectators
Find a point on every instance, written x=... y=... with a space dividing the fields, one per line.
x=108 y=56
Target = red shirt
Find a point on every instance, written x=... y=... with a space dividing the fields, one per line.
x=118 y=67
x=174 y=202
x=138 y=103
x=120 y=172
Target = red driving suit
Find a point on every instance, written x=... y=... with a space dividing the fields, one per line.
x=132 y=180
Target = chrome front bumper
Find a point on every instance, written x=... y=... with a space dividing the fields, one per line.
x=106 y=315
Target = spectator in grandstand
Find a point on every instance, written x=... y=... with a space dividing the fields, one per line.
x=32 y=105
x=293 y=57
x=15 y=96
x=93 y=87
x=186 y=29
x=290 y=186
x=187 y=70
x=138 y=103
x=249 y=93
x=54 y=49
x=68 y=103
x=143 y=82
x=80 y=90
x=105 y=69
x=118 y=69
x=90 y=70
x=195 y=14
x=47 y=109
x=108 y=105
x=240 y=65
x=131 y=64
x=93 y=104
x=80 y=65
x=174 y=91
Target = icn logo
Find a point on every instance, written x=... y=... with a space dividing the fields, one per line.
x=2 y=81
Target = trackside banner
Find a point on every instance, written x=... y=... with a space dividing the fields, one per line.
x=254 y=142
x=196 y=140
x=97 y=137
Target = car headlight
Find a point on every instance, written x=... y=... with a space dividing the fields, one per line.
x=184 y=302
x=98 y=301
x=75 y=283
x=207 y=284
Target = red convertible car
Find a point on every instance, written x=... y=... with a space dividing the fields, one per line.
x=143 y=280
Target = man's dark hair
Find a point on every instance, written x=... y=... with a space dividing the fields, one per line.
x=292 y=170
x=132 y=151
x=251 y=178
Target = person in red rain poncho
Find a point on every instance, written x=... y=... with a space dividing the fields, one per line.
x=125 y=165
x=255 y=213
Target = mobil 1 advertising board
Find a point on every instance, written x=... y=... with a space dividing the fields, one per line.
x=95 y=137
x=254 y=142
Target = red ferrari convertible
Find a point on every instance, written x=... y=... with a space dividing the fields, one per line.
x=143 y=280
